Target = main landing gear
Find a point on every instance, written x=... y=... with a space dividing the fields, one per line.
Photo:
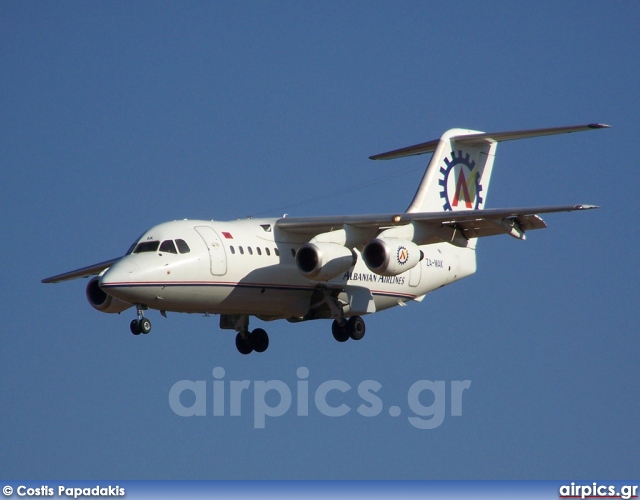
x=257 y=340
x=342 y=329
x=353 y=328
x=142 y=324
x=246 y=341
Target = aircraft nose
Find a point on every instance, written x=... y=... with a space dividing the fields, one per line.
x=120 y=272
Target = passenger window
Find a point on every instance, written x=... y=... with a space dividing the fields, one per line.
x=250 y=251
x=241 y=251
x=277 y=252
x=147 y=246
x=259 y=251
x=168 y=247
x=182 y=246
x=233 y=250
x=267 y=250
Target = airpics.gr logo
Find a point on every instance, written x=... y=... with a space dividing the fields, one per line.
x=460 y=183
x=402 y=255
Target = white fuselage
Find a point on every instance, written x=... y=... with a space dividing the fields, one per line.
x=248 y=267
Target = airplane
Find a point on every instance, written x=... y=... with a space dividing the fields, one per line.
x=328 y=267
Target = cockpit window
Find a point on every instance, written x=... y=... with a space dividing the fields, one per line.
x=182 y=246
x=168 y=247
x=133 y=245
x=147 y=246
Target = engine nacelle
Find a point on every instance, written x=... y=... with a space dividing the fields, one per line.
x=102 y=301
x=323 y=261
x=391 y=256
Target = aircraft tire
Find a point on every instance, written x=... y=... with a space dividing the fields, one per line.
x=340 y=333
x=145 y=325
x=243 y=345
x=356 y=327
x=259 y=340
x=134 y=326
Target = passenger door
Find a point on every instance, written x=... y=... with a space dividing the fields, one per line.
x=217 y=255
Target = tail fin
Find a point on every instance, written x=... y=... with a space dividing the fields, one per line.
x=458 y=175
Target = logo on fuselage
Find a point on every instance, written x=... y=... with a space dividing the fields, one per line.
x=460 y=186
x=402 y=255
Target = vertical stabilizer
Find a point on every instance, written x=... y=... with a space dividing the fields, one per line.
x=457 y=177
x=458 y=174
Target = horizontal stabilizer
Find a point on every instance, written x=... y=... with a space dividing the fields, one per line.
x=476 y=139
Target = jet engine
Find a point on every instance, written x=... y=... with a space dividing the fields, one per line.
x=102 y=301
x=323 y=261
x=391 y=256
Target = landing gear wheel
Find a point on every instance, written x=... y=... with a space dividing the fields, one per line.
x=144 y=325
x=243 y=344
x=356 y=328
x=259 y=340
x=135 y=327
x=340 y=333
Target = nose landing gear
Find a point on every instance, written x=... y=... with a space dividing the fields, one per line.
x=142 y=324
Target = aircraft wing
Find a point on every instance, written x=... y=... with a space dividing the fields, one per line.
x=472 y=223
x=83 y=272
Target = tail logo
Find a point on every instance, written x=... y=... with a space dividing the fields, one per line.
x=460 y=183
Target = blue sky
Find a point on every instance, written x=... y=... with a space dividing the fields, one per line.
x=117 y=116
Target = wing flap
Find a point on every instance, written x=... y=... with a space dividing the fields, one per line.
x=83 y=272
x=530 y=222
x=499 y=225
